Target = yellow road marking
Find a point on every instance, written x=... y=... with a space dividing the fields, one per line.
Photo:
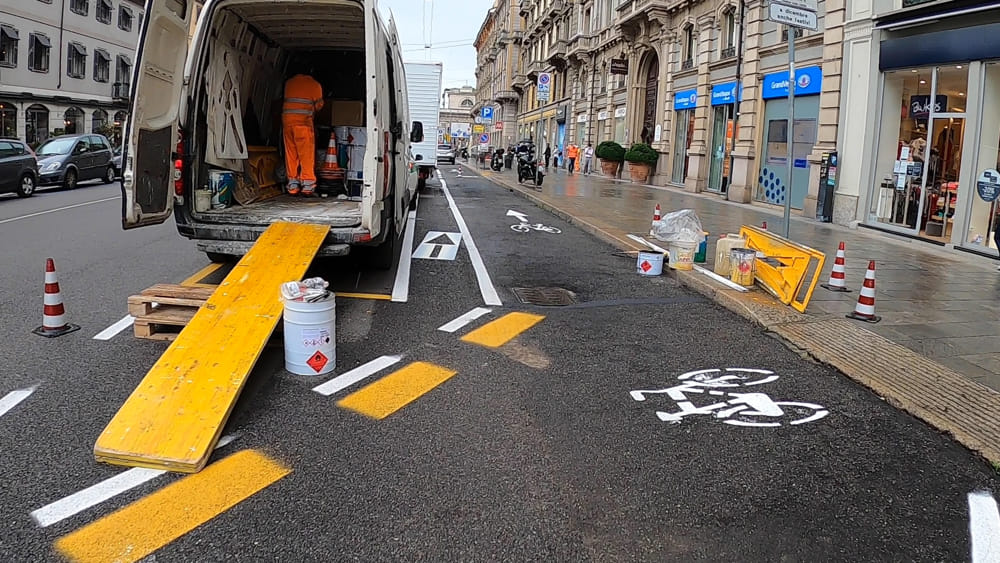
x=396 y=390
x=377 y=296
x=152 y=522
x=501 y=331
x=201 y=274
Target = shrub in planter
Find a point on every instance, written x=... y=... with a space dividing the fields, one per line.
x=611 y=155
x=641 y=159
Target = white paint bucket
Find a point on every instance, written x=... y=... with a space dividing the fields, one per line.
x=202 y=200
x=310 y=343
x=649 y=263
x=682 y=255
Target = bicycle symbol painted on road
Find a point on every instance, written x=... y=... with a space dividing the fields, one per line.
x=752 y=409
x=526 y=227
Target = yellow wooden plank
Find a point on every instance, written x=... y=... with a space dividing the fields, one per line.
x=396 y=390
x=152 y=522
x=201 y=274
x=501 y=331
x=174 y=417
x=374 y=296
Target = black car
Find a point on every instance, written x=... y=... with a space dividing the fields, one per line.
x=69 y=159
x=18 y=168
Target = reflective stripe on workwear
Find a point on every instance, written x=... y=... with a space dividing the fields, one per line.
x=299 y=111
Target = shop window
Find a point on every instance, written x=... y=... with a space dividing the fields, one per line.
x=8 y=46
x=8 y=119
x=76 y=61
x=38 y=52
x=80 y=6
x=102 y=65
x=104 y=11
x=36 y=124
x=125 y=18
x=683 y=135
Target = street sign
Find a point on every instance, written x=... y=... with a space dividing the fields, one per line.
x=794 y=17
x=484 y=139
x=478 y=119
x=498 y=126
x=807 y=5
x=478 y=128
x=619 y=66
x=544 y=86
x=487 y=113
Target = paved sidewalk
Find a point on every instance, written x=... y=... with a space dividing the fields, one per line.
x=940 y=308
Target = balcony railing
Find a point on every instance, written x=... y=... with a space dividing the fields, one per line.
x=520 y=81
x=120 y=90
x=687 y=64
x=506 y=95
x=579 y=45
x=557 y=52
x=728 y=53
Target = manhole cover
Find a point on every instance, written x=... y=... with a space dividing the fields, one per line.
x=545 y=296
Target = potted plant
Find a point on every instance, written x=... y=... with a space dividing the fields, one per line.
x=611 y=155
x=641 y=159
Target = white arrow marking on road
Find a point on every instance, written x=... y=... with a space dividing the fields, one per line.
x=355 y=375
x=13 y=398
x=100 y=492
x=984 y=527
x=520 y=216
x=448 y=246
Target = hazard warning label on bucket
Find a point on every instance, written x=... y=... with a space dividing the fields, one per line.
x=317 y=361
x=646 y=266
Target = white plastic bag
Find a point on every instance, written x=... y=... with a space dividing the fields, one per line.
x=678 y=226
x=304 y=290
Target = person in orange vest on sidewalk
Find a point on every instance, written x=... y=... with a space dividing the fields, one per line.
x=572 y=152
x=303 y=98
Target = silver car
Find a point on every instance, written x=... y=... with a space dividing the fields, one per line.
x=446 y=154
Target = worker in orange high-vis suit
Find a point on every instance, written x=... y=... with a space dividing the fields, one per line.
x=303 y=98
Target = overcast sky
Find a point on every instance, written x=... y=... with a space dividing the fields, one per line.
x=449 y=26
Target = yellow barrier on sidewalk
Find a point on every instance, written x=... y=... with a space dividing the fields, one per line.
x=785 y=266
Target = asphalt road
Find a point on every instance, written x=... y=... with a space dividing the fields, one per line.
x=542 y=449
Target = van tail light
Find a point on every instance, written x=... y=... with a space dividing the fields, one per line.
x=179 y=165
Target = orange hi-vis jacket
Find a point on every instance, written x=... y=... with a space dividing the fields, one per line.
x=303 y=98
x=572 y=152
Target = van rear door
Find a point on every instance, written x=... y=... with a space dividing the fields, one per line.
x=151 y=135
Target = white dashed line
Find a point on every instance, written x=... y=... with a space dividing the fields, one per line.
x=465 y=319
x=355 y=375
x=984 y=527
x=113 y=330
x=14 y=398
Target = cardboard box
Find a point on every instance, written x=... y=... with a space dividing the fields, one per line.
x=344 y=113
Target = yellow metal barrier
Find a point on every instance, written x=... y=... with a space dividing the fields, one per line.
x=785 y=267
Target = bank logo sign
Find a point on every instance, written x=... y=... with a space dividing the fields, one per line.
x=808 y=81
x=686 y=99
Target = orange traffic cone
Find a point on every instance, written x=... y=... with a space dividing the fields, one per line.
x=865 y=309
x=838 y=280
x=330 y=169
x=54 y=315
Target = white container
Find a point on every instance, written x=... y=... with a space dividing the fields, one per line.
x=310 y=343
x=202 y=200
x=722 y=252
x=649 y=263
x=682 y=255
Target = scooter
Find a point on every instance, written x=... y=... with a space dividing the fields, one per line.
x=530 y=168
x=497 y=163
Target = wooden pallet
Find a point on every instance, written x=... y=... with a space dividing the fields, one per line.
x=163 y=310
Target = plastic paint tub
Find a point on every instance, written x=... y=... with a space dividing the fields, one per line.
x=310 y=343
x=742 y=266
x=682 y=255
x=202 y=200
x=649 y=263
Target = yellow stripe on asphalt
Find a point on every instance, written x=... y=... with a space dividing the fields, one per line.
x=501 y=331
x=201 y=274
x=396 y=390
x=152 y=522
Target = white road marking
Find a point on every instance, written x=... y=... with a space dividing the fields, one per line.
x=984 y=527
x=401 y=287
x=12 y=399
x=520 y=216
x=355 y=375
x=30 y=215
x=96 y=494
x=447 y=251
x=465 y=319
x=113 y=330
x=489 y=292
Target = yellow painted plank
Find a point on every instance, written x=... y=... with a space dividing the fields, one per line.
x=152 y=522
x=375 y=296
x=174 y=417
x=396 y=390
x=501 y=331
x=201 y=274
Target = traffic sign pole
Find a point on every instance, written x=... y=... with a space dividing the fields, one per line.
x=790 y=132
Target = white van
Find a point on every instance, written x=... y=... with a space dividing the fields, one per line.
x=190 y=120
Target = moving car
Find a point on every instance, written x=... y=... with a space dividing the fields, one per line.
x=67 y=160
x=18 y=168
x=173 y=150
x=446 y=154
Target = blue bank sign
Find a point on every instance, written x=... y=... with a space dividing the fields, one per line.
x=723 y=94
x=686 y=99
x=808 y=81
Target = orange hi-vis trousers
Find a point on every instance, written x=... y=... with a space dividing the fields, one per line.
x=300 y=150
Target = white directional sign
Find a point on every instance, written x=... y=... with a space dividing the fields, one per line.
x=808 y=5
x=795 y=17
x=439 y=246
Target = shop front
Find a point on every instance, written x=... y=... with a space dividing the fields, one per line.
x=773 y=184
x=938 y=143
x=723 y=110
x=685 y=103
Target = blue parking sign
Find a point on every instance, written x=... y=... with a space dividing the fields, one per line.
x=488 y=112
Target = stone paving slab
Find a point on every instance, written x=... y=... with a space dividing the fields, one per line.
x=936 y=359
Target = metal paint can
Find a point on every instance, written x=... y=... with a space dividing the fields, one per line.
x=742 y=264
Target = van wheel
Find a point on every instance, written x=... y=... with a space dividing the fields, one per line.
x=220 y=258
x=69 y=182
x=26 y=187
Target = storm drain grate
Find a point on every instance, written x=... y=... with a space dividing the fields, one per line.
x=545 y=296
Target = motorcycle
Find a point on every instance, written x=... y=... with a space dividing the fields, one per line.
x=497 y=163
x=528 y=167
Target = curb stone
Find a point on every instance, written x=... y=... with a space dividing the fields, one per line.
x=965 y=409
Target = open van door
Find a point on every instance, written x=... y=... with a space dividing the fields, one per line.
x=404 y=177
x=151 y=135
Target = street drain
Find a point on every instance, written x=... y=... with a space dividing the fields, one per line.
x=545 y=296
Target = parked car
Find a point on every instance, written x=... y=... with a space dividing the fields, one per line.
x=116 y=161
x=18 y=168
x=70 y=159
x=446 y=154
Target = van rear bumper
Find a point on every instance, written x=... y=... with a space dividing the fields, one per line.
x=240 y=248
x=236 y=239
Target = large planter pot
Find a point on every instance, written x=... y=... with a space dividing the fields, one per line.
x=639 y=172
x=610 y=167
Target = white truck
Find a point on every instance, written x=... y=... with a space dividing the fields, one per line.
x=423 y=88
x=199 y=108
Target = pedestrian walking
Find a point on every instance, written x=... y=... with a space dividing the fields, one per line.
x=588 y=159
x=572 y=152
x=548 y=155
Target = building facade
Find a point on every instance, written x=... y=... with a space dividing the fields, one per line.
x=498 y=56
x=66 y=66
x=456 y=115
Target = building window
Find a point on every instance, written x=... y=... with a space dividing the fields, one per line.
x=38 y=52
x=8 y=119
x=798 y=33
x=36 y=124
x=76 y=61
x=104 y=11
x=102 y=65
x=123 y=76
x=80 y=6
x=125 y=18
x=729 y=34
x=8 y=46
x=687 y=53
